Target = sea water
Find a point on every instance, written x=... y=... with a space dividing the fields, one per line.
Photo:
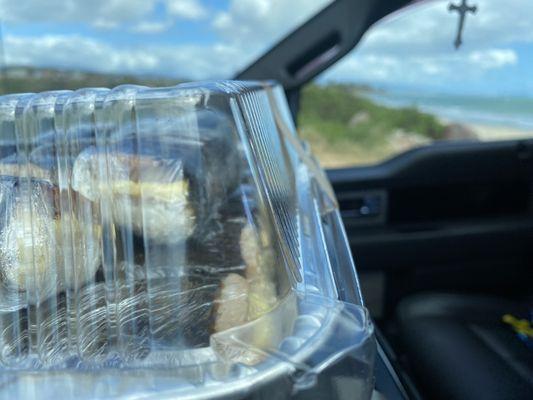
x=502 y=111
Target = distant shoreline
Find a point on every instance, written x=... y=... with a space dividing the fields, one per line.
x=347 y=128
x=487 y=132
x=493 y=112
x=497 y=132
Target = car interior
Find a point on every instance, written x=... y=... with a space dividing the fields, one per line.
x=441 y=235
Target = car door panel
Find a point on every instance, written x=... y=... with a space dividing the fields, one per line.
x=449 y=216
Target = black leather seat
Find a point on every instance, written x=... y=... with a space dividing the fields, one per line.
x=459 y=348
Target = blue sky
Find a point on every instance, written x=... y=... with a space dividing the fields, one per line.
x=157 y=24
x=414 y=48
x=203 y=39
x=192 y=39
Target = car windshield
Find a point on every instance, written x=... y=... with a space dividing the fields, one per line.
x=426 y=74
x=170 y=39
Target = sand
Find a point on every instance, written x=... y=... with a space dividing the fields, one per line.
x=488 y=133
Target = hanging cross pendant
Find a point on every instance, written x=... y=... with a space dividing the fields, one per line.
x=462 y=9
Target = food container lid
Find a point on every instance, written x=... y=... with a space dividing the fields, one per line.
x=169 y=242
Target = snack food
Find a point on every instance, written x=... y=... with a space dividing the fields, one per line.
x=35 y=263
x=148 y=193
x=165 y=242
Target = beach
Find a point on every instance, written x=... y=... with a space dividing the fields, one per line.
x=496 y=132
x=349 y=125
x=347 y=154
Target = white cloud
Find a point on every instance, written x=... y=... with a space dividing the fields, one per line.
x=105 y=24
x=418 y=44
x=75 y=52
x=258 y=22
x=429 y=28
x=78 y=52
x=493 y=58
x=149 y=27
x=255 y=25
x=245 y=30
x=101 y=14
x=189 y=9
x=94 y=12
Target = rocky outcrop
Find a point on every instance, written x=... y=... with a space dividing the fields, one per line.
x=458 y=131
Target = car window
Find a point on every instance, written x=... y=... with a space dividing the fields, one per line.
x=72 y=43
x=408 y=84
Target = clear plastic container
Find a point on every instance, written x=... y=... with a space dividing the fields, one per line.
x=173 y=242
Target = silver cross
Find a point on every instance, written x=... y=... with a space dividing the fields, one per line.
x=462 y=9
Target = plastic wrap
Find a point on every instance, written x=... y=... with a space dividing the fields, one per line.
x=174 y=242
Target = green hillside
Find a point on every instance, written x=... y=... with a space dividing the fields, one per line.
x=26 y=79
x=344 y=126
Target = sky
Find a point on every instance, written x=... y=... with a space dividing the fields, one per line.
x=205 y=39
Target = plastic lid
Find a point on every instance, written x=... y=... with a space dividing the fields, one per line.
x=166 y=242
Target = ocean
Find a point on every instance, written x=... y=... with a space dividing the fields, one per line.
x=513 y=112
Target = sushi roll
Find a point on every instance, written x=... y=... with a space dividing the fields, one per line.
x=165 y=187
x=36 y=262
x=245 y=300
x=232 y=302
x=147 y=194
x=258 y=255
x=245 y=296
